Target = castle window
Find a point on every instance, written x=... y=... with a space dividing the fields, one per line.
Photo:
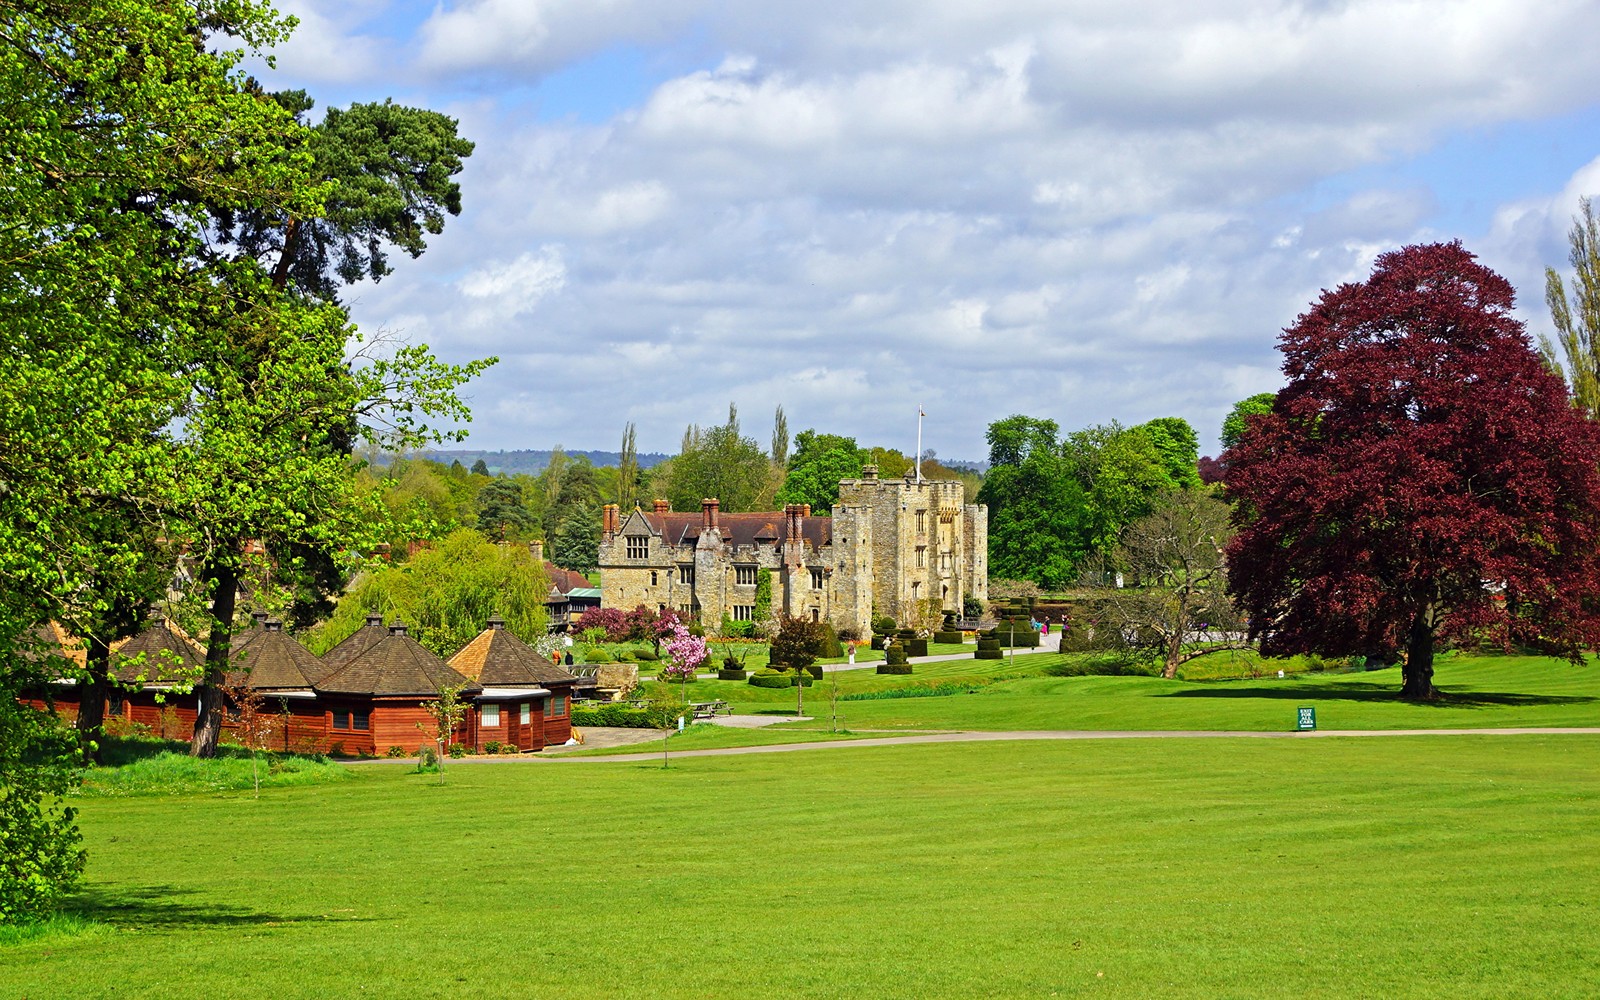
x=653 y=580
x=638 y=546
x=816 y=615
x=816 y=578
x=686 y=574
x=743 y=612
x=922 y=522
x=922 y=556
x=744 y=576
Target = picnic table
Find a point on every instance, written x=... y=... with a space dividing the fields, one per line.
x=710 y=709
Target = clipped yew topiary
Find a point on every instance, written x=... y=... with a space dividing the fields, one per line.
x=953 y=636
x=765 y=678
x=988 y=649
x=730 y=673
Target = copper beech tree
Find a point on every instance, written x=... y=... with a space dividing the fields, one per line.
x=1422 y=476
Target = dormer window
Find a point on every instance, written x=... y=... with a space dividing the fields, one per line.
x=638 y=546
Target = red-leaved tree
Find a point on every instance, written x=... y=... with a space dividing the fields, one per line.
x=1422 y=476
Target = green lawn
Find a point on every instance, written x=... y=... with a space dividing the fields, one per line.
x=1404 y=866
x=1480 y=692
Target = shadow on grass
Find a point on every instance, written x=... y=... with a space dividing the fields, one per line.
x=165 y=906
x=1383 y=693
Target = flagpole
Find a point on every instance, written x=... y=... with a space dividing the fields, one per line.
x=920 y=415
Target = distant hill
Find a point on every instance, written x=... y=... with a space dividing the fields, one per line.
x=533 y=461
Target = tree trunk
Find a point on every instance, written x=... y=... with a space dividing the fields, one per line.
x=1417 y=673
x=224 y=578
x=92 y=703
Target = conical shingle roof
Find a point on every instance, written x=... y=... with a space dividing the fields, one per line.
x=497 y=658
x=398 y=665
x=158 y=655
x=274 y=660
x=358 y=642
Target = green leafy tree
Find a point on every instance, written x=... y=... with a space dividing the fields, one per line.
x=796 y=646
x=1238 y=419
x=1179 y=447
x=1577 y=318
x=717 y=462
x=501 y=512
x=480 y=468
x=780 y=438
x=819 y=462
x=446 y=593
x=628 y=470
x=1036 y=507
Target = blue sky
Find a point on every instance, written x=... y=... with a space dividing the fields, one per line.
x=1074 y=210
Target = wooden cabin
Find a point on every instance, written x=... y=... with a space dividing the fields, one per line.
x=274 y=665
x=375 y=701
x=526 y=701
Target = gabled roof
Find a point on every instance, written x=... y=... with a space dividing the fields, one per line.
x=564 y=580
x=741 y=528
x=396 y=666
x=358 y=642
x=497 y=658
x=51 y=640
x=161 y=654
x=274 y=660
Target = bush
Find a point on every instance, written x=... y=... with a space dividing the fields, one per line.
x=971 y=607
x=427 y=760
x=737 y=630
x=628 y=656
x=771 y=679
x=646 y=655
x=906 y=633
x=952 y=636
x=883 y=625
x=915 y=647
x=831 y=647
x=395 y=752
x=895 y=656
x=988 y=654
x=596 y=654
x=815 y=670
x=731 y=674
x=894 y=668
x=1103 y=666
x=877 y=641
x=491 y=746
x=613 y=716
x=457 y=751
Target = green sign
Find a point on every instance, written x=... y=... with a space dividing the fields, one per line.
x=1306 y=718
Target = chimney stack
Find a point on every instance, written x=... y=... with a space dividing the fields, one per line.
x=805 y=510
x=663 y=506
x=708 y=511
x=537 y=548
x=375 y=619
x=397 y=627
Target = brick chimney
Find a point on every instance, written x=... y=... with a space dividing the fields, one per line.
x=537 y=548
x=709 y=507
x=610 y=520
x=805 y=510
x=663 y=506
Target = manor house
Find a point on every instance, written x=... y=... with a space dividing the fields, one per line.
x=890 y=547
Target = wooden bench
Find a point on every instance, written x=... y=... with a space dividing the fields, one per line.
x=710 y=709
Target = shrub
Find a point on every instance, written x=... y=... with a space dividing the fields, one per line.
x=613 y=716
x=646 y=655
x=883 y=625
x=988 y=654
x=831 y=647
x=492 y=746
x=894 y=668
x=896 y=655
x=877 y=641
x=950 y=636
x=427 y=760
x=767 y=678
x=596 y=654
x=395 y=752
x=971 y=607
x=737 y=630
x=628 y=656
x=815 y=670
x=906 y=633
x=916 y=647
x=457 y=751
x=731 y=674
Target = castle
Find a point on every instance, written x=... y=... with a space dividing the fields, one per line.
x=892 y=547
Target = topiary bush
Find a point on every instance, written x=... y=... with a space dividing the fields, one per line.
x=988 y=649
x=831 y=647
x=877 y=641
x=914 y=647
x=815 y=670
x=646 y=655
x=730 y=674
x=765 y=678
x=894 y=668
x=954 y=636
x=883 y=625
x=597 y=654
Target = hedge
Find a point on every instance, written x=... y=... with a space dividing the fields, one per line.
x=617 y=716
x=914 y=647
x=730 y=674
x=894 y=668
x=877 y=642
x=765 y=680
x=948 y=637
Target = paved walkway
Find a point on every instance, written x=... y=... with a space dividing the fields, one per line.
x=1069 y=734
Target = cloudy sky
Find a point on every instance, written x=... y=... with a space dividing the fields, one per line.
x=1084 y=211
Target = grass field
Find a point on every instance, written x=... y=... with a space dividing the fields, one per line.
x=1403 y=866
x=1480 y=692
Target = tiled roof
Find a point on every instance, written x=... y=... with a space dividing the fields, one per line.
x=742 y=528
x=563 y=580
x=53 y=640
x=496 y=658
x=168 y=657
x=398 y=665
x=274 y=660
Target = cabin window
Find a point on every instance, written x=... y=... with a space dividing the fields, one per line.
x=558 y=706
x=816 y=578
x=490 y=715
x=358 y=720
x=743 y=612
x=638 y=546
x=350 y=720
x=341 y=720
x=525 y=713
x=744 y=576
